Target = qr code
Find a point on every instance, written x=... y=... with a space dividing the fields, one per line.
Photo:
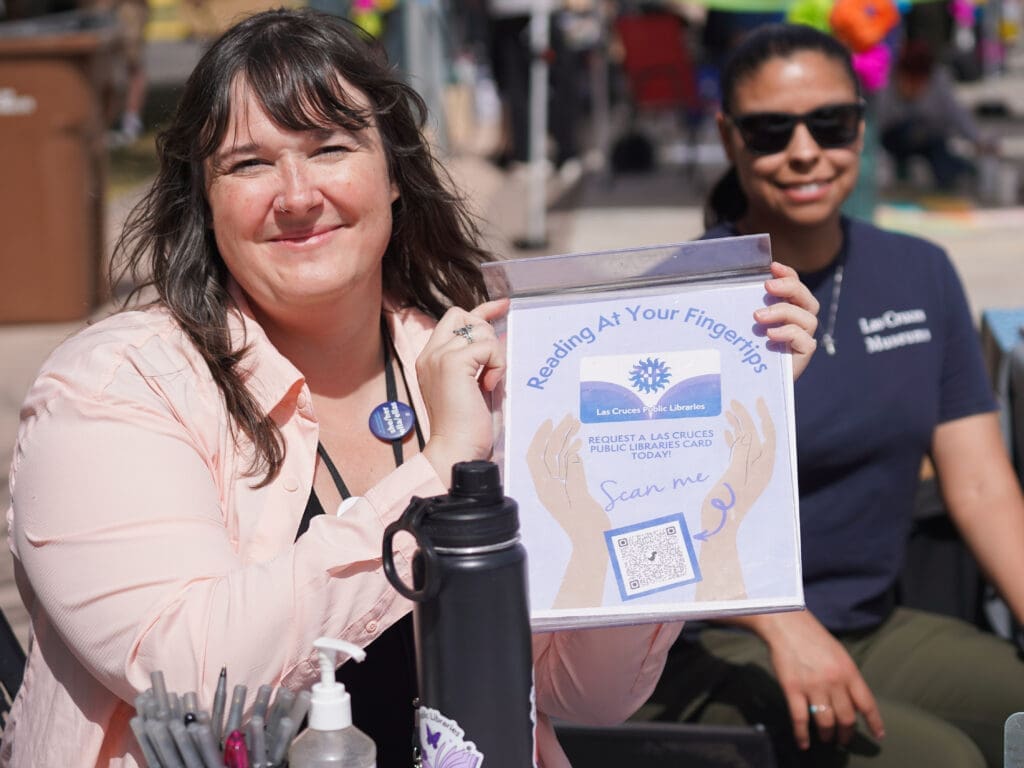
x=652 y=556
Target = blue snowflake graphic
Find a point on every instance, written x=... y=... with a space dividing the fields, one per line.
x=650 y=375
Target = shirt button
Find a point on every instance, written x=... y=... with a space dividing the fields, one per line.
x=291 y=484
x=347 y=504
x=371 y=627
x=302 y=401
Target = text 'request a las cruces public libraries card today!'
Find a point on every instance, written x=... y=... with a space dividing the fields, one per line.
x=648 y=439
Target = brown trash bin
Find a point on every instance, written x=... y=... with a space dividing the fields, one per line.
x=52 y=177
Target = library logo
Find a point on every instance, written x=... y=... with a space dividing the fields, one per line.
x=650 y=385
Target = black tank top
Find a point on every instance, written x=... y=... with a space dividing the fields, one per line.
x=383 y=686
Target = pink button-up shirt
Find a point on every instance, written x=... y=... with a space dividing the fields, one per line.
x=140 y=545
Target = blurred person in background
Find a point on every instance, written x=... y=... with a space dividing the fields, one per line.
x=511 y=57
x=918 y=115
x=126 y=97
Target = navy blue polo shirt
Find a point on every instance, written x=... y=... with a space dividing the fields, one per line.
x=907 y=359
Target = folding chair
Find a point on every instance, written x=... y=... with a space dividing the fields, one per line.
x=660 y=72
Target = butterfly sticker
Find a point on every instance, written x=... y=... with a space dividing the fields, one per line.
x=452 y=751
x=453 y=756
x=433 y=737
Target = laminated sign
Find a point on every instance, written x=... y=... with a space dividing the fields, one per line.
x=646 y=431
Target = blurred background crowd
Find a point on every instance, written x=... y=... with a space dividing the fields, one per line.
x=628 y=84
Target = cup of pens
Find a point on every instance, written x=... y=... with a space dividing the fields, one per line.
x=175 y=732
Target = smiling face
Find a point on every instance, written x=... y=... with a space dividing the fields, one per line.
x=301 y=218
x=803 y=185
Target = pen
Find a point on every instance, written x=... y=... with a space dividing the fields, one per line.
x=161 y=740
x=235 y=755
x=300 y=708
x=203 y=736
x=282 y=705
x=186 y=748
x=257 y=742
x=235 y=713
x=282 y=737
x=259 y=707
x=217 y=718
x=140 y=703
x=174 y=731
x=160 y=693
x=174 y=705
x=152 y=708
x=138 y=726
x=190 y=704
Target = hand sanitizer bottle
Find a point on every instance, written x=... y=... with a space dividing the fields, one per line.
x=331 y=739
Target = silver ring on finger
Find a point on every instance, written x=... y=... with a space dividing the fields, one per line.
x=465 y=332
x=815 y=709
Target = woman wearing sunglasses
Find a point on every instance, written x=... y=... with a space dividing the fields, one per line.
x=855 y=680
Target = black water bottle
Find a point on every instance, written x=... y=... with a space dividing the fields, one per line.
x=471 y=621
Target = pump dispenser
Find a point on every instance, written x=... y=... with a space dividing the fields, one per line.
x=331 y=739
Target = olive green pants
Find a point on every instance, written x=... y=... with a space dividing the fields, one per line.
x=943 y=687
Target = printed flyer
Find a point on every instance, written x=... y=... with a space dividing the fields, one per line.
x=648 y=439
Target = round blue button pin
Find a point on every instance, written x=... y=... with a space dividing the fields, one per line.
x=391 y=420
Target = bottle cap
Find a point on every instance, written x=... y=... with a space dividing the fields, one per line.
x=478 y=479
x=475 y=513
x=330 y=706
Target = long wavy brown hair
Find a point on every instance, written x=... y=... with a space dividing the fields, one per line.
x=292 y=60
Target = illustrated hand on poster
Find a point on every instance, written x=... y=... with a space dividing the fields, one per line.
x=751 y=463
x=557 y=471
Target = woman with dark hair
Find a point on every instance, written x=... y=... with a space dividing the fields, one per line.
x=900 y=377
x=304 y=350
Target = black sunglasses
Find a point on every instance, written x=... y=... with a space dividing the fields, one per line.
x=832 y=126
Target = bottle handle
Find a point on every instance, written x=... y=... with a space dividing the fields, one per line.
x=410 y=522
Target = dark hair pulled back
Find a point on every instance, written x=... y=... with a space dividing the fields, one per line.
x=727 y=202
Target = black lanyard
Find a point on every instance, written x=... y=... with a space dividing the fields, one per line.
x=389 y=674
x=391 y=389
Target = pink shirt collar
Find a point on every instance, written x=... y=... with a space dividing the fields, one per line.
x=272 y=378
